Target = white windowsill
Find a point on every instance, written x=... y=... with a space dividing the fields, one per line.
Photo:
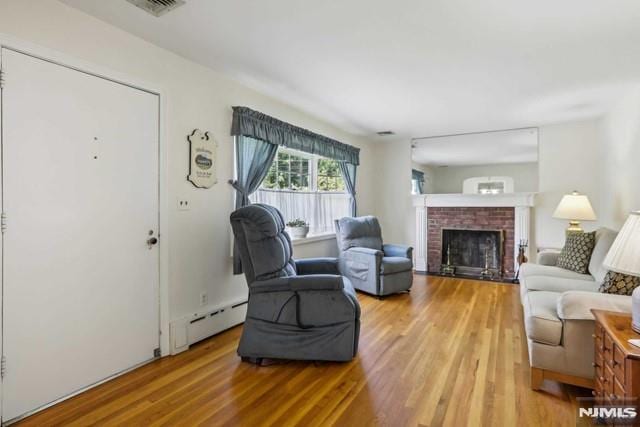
x=314 y=238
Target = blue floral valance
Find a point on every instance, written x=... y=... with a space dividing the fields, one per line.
x=257 y=125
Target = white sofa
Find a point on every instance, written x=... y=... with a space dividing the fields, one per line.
x=557 y=317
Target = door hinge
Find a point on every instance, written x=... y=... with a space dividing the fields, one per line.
x=3 y=222
x=156 y=352
x=1 y=79
x=3 y=366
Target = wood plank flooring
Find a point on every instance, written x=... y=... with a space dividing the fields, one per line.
x=452 y=352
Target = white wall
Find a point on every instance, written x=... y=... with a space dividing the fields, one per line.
x=569 y=160
x=327 y=247
x=450 y=179
x=196 y=97
x=393 y=191
x=620 y=160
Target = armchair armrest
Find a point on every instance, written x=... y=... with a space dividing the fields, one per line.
x=372 y=257
x=577 y=305
x=364 y=251
x=308 y=266
x=403 y=251
x=313 y=282
x=548 y=257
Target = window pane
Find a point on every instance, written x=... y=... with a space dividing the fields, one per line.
x=329 y=176
x=322 y=183
x=296 y=166
x=271 y=179
x=283 y=180
x=296 y=181
x=283 y=165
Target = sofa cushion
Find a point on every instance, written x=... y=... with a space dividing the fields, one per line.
x=576 y=253
x=604 y=240
x=529 y=269
x=394 y=264
x=619 y=284
x=558 y=284
x=541 y=320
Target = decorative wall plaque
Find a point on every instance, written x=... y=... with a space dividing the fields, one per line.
x=202 y=170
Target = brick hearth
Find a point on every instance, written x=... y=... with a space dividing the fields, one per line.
x=477 y=218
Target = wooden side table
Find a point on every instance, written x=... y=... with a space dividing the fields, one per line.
x=617 y=363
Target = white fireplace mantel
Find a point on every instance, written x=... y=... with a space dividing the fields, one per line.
x=522 y=202
x=474 y=200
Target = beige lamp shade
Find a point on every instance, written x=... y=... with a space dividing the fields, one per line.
x=575 y=206
x=624 y=255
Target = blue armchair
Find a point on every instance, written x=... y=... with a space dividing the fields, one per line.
x=373 y=267
x=298 y=310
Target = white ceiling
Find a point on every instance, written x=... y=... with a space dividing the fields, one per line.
x=487 y=148
x=417 y=67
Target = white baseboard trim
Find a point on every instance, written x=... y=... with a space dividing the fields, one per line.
x=203 y=324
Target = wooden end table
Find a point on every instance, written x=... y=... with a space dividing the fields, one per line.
x=617 y=363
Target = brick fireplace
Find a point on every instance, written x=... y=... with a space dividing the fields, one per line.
x=470 y=218
x=508 y=213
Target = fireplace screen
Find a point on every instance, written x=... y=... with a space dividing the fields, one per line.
x=472 y=252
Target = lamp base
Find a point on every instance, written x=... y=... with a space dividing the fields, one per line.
x=574 y=227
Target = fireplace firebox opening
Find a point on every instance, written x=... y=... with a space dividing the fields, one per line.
x=470 y=252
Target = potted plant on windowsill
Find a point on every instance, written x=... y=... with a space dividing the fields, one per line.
x=298 y=228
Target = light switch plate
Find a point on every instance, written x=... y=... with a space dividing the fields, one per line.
x=204 y=299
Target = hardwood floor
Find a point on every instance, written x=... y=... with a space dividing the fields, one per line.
x=452 y=352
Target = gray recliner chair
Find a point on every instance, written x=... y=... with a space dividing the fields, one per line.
x=373 y=267
x=298 y=310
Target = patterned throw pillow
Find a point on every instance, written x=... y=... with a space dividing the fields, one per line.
x=576 y=253
x=618 y=283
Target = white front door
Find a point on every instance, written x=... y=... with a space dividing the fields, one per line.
x=80 y=195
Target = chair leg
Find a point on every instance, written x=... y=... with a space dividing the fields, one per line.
x=537 y=378
x=254 y=360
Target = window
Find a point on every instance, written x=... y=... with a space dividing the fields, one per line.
x=417 y=182
x=305 y=186
x=415 y=187
x=491 y=187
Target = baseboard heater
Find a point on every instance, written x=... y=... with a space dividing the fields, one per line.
x=189 y=330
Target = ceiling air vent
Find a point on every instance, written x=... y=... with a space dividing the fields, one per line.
x=386 y=133
x=157 y=7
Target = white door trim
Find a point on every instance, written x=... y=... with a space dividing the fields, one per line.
x=65 y=60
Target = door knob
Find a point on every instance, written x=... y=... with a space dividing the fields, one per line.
x=152 y=241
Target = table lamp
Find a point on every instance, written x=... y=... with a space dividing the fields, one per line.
x=575 y=207
x=624 y=258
